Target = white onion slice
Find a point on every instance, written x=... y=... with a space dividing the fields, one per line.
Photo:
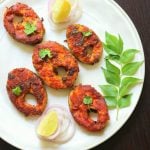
x=75 y=14
x=66 y=136
x=65 y=123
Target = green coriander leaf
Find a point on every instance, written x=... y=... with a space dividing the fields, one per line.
x=87 y=100
x=128 y=55
x=29 y=28
x=109 y=90
x=111 y=78
x=127 y=83
x=111 y=102
x=45 y=52
x=17 y=90
x=125 y=101
x=131 y=68
x=87 y=33
x=112 y=67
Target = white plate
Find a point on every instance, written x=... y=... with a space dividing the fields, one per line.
x=100 y=15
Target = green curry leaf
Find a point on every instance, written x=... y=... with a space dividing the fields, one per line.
x=114 y=43
x=111 y=77
x=128 y=55
x=111 y=102
x=124 y=101
x=112 y=67
x=131 y=68
x=109 y=90
x=127 y=83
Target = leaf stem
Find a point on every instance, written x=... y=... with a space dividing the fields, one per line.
x=118 y=97
x=117 y=116
x=117 y=107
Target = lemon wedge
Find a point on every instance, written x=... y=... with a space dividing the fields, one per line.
x=60 y=10
x=48 y=124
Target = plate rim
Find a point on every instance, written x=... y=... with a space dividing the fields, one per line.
x=123 y=12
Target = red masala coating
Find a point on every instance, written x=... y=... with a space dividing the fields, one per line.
x=16 y=29
x=29 y=83
x=87 y=49
x=47 y=68
x=80 y=111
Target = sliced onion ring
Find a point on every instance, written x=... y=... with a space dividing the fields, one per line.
x=66 y=136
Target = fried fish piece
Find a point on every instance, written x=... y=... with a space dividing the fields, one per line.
x=48 y=57
x=84 y=44
x=81 y=110
x=23 y=24
x=21 y=82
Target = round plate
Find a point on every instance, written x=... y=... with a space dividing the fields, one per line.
x=99 y=15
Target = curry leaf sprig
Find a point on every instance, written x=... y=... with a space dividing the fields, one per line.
x=119 y=72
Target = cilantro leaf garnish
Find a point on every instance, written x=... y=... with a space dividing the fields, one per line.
x=87 y=100
x=87 y=33
x=17 y=90
x=45 y=53
x=84 y=35
x=29 y=28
